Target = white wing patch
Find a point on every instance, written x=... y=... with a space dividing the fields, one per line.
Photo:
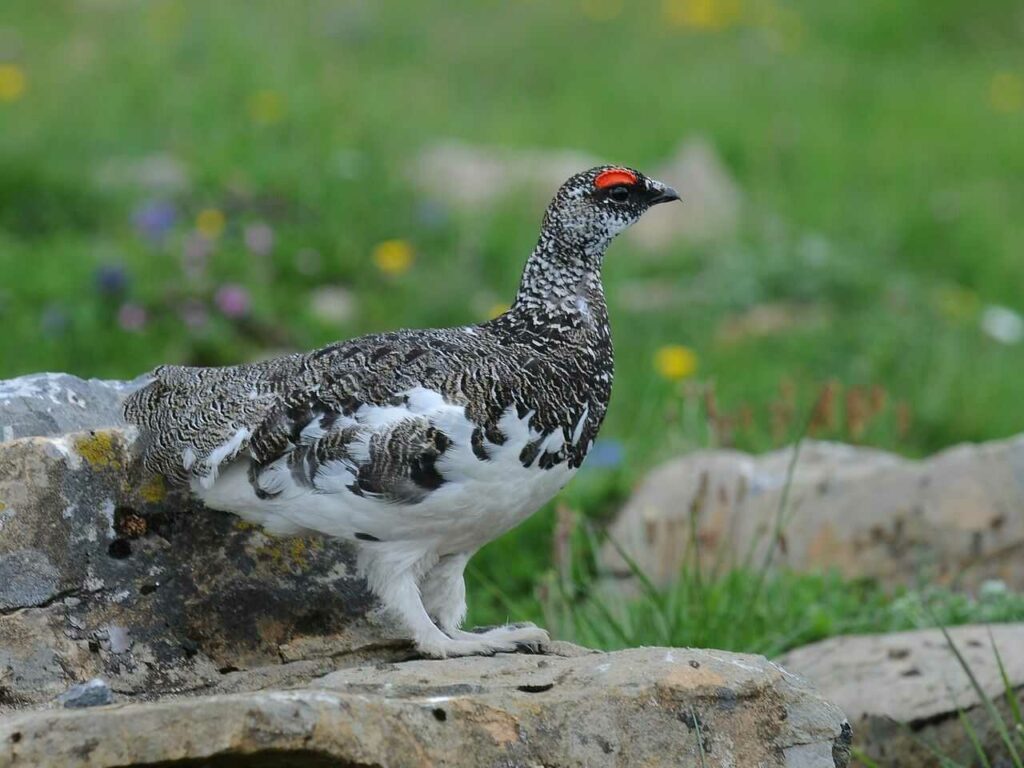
x=478 y=500
x=334 y=477
x=220 y=454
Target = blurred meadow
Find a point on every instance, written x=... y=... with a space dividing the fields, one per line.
x=210 y=183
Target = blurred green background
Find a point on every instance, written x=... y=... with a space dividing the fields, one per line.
x=209 y=183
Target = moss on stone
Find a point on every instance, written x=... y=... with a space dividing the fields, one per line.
x=153 y=490
x=101 y=449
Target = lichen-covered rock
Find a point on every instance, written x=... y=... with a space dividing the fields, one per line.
x=646 y=707
x=103 y=574
x=903 y=691
x=956 y=515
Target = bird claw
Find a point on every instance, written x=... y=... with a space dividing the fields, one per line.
x=521 y=637
x=529 y=646
x=512 y=638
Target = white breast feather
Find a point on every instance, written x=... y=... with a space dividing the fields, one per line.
x=478 y=501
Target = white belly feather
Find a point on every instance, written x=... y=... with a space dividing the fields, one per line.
x=479 y=500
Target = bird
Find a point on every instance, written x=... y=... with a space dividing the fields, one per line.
x=416 y=446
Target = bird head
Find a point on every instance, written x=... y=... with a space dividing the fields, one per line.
x=594 y=206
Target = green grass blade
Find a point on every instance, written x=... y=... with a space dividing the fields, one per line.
x=972 y=735
x=1011 y=696
x=700 y=740
x=993 y=713
x=648 y=587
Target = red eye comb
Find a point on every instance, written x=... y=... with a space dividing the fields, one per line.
x=614 y=177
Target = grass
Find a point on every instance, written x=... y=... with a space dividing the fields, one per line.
x=752 y=609
x=877 y=147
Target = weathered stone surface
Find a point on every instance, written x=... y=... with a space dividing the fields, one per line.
x=48 y=404
x=903 y=689
x=102 y=575
x=651 y=707
x=955 y=517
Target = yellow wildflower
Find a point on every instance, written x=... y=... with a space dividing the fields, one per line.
x=393 y=257
x=675 y=362
x=701 y=14
x=210 y=223
x=266 y=107
x=1006 y=92
x=12 y=82
x=601 y=10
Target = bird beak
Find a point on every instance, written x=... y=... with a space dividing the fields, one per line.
x=660 y=193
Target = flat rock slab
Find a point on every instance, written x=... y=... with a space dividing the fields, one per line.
x=956 y=517
x=645 y=707
x=903 y=689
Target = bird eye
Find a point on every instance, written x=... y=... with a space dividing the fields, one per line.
x=619 y=194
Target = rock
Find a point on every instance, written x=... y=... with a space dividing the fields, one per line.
x=49 y=404
x=904 y=689
x=105 y=575
x=474 y=178
x=94 y=693
x=864 y=512
x=649 y=706
x=711 y=200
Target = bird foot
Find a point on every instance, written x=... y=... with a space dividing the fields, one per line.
x=506 y=639
x=522 y=637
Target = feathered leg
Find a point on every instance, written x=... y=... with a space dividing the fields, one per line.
x=444 y=597
x=393 y=572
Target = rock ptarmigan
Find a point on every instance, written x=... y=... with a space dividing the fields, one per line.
x=418 y=446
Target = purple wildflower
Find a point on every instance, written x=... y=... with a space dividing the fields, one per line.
x=154 y=219
x=132 y=317
x=233 y=300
